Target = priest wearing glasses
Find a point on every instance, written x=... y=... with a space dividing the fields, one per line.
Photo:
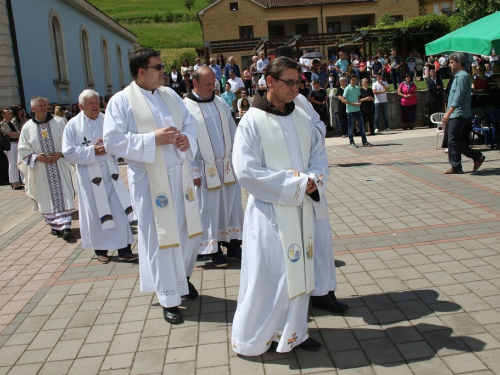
x=279 y=158
x=150 y=127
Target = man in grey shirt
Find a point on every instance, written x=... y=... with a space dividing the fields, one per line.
x=457 y=116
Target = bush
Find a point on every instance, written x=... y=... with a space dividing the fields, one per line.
x=426 y=29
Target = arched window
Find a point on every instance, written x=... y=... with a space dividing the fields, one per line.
x=88 y=74
x=106 y=68
x=61 y=75
x=120 y=66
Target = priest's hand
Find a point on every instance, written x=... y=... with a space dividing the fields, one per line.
x=48 y=158
x=166 y=136
x=197 y=182
x=182 y=143
x=99 y=147
x=311 y=186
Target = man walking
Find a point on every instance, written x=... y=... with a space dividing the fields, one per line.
x=218 y=191
x=47 y=173
x=150 y=127
x=457 y=115
x=280 y=160
x=104 y=205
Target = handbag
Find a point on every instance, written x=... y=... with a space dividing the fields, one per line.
x=4 y=142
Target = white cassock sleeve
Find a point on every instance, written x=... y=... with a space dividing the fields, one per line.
x=73 y=150
x=120 y=133
x=268 y=185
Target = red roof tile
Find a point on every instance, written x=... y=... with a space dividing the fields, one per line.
x=292 y=3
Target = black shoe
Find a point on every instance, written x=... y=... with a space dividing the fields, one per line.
x=234 y=253
x=66 y=234
x=218 y=259
x=328 y=303
x=173 y=315
x=310 y=345
x=193 y=293
x=55 y=232
x=128 y=257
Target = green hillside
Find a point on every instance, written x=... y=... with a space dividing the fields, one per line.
x=166 y=25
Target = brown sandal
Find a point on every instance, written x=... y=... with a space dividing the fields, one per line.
x=453 y=171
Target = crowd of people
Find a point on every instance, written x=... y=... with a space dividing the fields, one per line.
x=187 y=161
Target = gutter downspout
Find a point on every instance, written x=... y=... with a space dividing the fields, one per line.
x=16 y=53
x=203 y=36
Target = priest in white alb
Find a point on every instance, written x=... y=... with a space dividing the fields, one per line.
x=104 y=206
x=279 y=159
x=150 y=127
x=323 y=296
x=218 y=191
x=47 y=173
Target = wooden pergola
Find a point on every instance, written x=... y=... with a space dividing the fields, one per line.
x=299 y=42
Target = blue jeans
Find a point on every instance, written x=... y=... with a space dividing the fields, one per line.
x=385 y=109
x=396 y=78
x=351 y=116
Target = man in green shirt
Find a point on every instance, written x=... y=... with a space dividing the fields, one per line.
x=352 y=100
x=457 y=115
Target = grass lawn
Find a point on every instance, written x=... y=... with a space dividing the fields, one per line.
x=167 y=35
x=121 y=9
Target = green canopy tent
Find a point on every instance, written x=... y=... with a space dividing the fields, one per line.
x=479 y=38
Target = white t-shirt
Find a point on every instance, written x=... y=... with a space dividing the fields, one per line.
x=380 y=98
x=236 y=83
x=262 y=82
x=307 y=62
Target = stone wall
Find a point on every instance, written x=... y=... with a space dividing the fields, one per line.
x=395 y=109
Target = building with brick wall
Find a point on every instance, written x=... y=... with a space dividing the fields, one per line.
x=247 y=19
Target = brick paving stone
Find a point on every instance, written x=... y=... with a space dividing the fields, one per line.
x=118 y=361
x=66 y=350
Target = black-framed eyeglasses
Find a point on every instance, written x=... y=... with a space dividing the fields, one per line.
x=157 y=67
x=289 y=82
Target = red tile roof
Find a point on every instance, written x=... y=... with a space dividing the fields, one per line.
x=293 y=3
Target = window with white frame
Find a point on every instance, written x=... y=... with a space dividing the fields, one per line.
x=61 y=75
x=120 y=66
x=106 y=67
x=88 y=74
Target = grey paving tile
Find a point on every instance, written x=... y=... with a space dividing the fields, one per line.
x=66 y=350
x=465 y=362
x=86 y=366
x=56 y=368
x=118 y=361
x=25 y=369
x=124 y=343
x=179 y=368
x=381 y=351
x=149 y=362
x=10 y=354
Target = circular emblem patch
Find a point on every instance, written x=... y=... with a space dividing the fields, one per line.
x=294 y=253
x=161 y=201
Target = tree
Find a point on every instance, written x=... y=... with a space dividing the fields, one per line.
x=472 y=10
x=189 y=4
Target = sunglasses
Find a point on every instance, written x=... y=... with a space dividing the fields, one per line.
x=290 y=82
x=157 y=67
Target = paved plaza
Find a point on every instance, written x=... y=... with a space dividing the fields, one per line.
x=418 y=262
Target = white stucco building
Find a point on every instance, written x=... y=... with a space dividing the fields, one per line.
x=58 y=48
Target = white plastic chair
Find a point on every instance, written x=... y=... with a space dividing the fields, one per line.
x=436 y=118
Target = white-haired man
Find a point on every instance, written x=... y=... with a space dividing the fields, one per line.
x=47 y=173
x=104 y=205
